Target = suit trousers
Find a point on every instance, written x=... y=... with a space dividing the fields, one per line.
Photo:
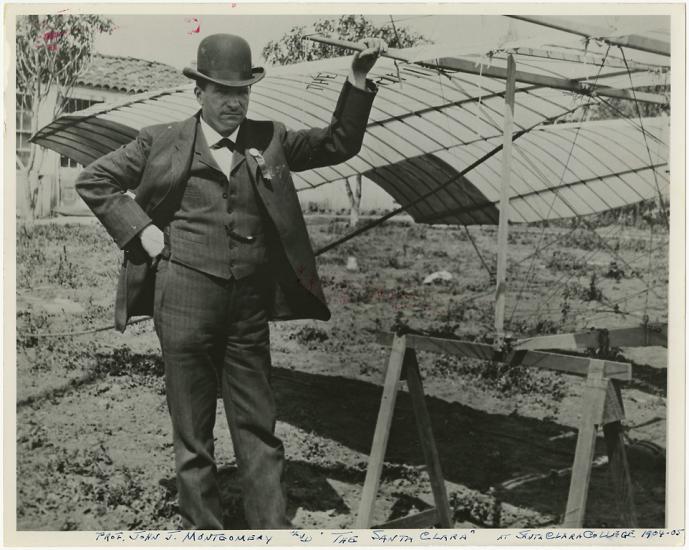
x=214 y=331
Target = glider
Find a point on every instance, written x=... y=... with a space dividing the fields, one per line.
x=489 y=137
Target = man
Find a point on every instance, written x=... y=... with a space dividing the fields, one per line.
x=215 y=247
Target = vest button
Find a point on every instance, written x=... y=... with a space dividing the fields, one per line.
x=224 y=195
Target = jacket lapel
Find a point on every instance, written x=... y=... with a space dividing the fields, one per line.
x=202 y=153
x=180 y=162
x=184 y=146
x=238 y=156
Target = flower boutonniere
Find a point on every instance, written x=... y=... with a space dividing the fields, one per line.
x=266 y=172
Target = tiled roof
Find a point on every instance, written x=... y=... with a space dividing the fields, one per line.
x=130 y=74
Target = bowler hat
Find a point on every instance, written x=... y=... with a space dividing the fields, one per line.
x=226 y=60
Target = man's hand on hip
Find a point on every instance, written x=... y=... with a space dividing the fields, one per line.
x=152 y=240
x=364 y=61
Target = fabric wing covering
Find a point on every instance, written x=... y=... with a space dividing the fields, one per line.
x=558 y=171
x=428 y=124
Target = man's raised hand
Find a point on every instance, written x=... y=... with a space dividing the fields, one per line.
x=363 y=61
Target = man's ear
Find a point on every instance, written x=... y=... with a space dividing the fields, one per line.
x=197 y=92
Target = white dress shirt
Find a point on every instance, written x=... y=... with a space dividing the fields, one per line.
x=222 y=156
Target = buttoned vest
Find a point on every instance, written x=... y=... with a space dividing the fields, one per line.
x=219 y=227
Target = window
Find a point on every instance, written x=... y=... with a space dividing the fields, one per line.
x=72 y=105
x=23 y=128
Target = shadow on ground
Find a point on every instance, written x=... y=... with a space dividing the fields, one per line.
x=477 y=449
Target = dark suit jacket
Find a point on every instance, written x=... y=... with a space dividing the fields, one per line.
x=155 y=168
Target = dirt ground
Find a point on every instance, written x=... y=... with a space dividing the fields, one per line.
x=94 y=445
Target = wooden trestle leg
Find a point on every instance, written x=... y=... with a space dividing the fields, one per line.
x=617 y=456
x=602 y=405
x=382 y=433
x=430 y=451
x=403 y=361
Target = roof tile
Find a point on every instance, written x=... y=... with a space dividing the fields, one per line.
x=129 y=74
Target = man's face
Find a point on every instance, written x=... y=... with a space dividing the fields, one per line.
x=222 y=107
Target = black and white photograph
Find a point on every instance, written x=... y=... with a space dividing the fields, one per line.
x=287 y=267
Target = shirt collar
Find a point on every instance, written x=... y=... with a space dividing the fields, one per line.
x=213 y=137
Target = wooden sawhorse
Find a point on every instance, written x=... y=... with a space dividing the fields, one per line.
x=601 y=406
x=404 y=366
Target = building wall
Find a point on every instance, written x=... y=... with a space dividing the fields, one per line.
x=59 y=174
x=48 y=193
x=333 y=197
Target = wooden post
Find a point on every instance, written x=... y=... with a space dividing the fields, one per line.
x=504 y=202
x=617 y=455
x=430 y=451
x=592 y=414
x=380 y=437
x=403 y=363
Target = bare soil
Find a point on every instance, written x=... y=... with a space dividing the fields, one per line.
x=94 y=445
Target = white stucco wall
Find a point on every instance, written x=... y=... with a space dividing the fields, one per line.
x=333 y=196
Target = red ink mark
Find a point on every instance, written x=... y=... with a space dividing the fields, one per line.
x=195 y=21
x=50 y=38
x=233 y=5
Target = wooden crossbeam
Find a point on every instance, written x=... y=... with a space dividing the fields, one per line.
x=634 y=41
x=546 y=360
x=651 y=335
x=469 y=66
x=575 y=56
x=441 y=345
x=568 y=363
x=643 y=43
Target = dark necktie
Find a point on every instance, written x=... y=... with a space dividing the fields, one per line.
x=224 y=142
